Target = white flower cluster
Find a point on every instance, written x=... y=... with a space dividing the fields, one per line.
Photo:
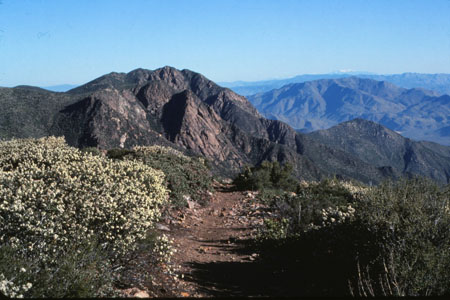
x=354 y=189
x=337 y=215
x=53 y=195
x=164 y=248
x=332 y=216
x=146 y=150
x=9 y=289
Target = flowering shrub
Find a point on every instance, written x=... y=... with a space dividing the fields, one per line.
x=186 y=177
x=164 y=248
x=161 y=150
x=9 y=289
x=53 y=197
x=314 y=206
x=332 y=216
x=354 y=188
x=53 y=194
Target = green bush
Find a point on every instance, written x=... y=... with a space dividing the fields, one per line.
x=186 y=177
x=308 y=237
x=389 y=240
x=81 y=271
x=268 y=175
x=314 y=205
x=410 y=221
x=55 y=198
x=118 y=153
x=92 y=150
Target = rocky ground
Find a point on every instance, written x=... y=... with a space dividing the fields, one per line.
x=214 y=254
x=213 y=244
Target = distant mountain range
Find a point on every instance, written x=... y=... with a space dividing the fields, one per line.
x=437 y=82
x=415 y=113
x=184 y=110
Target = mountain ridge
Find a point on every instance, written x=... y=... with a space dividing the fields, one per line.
x=383 y=147
x=180 y=109
x=439 y=82
x=416 y=113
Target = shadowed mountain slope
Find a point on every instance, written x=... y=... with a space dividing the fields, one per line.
x=387 y=149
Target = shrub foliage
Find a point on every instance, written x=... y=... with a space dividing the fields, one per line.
x=268 y=175
x=54 y=197
x=410 y=222
x=341 y=239
x=185 y=177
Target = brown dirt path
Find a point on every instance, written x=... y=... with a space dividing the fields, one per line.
x=213 y=249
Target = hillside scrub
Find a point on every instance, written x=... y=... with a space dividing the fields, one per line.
x=67 y=216
x=341 y=239
x=410 y=222
x=186 y=177
x=266 y=176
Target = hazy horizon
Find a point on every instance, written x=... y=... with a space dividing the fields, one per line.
x=67 y=86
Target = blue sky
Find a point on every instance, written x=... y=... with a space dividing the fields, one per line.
x=54 y=42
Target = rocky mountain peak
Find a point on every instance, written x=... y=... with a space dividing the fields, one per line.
x=138 y=76
x=171 y=76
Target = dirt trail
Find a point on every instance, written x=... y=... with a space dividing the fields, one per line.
x=212 y=246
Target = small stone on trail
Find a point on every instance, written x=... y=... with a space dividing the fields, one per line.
x=249 y=195
x=203 y=249
x=191 y=204
x=227 y=180
x=162 y=227
x=136 y=293
x=196 y=218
